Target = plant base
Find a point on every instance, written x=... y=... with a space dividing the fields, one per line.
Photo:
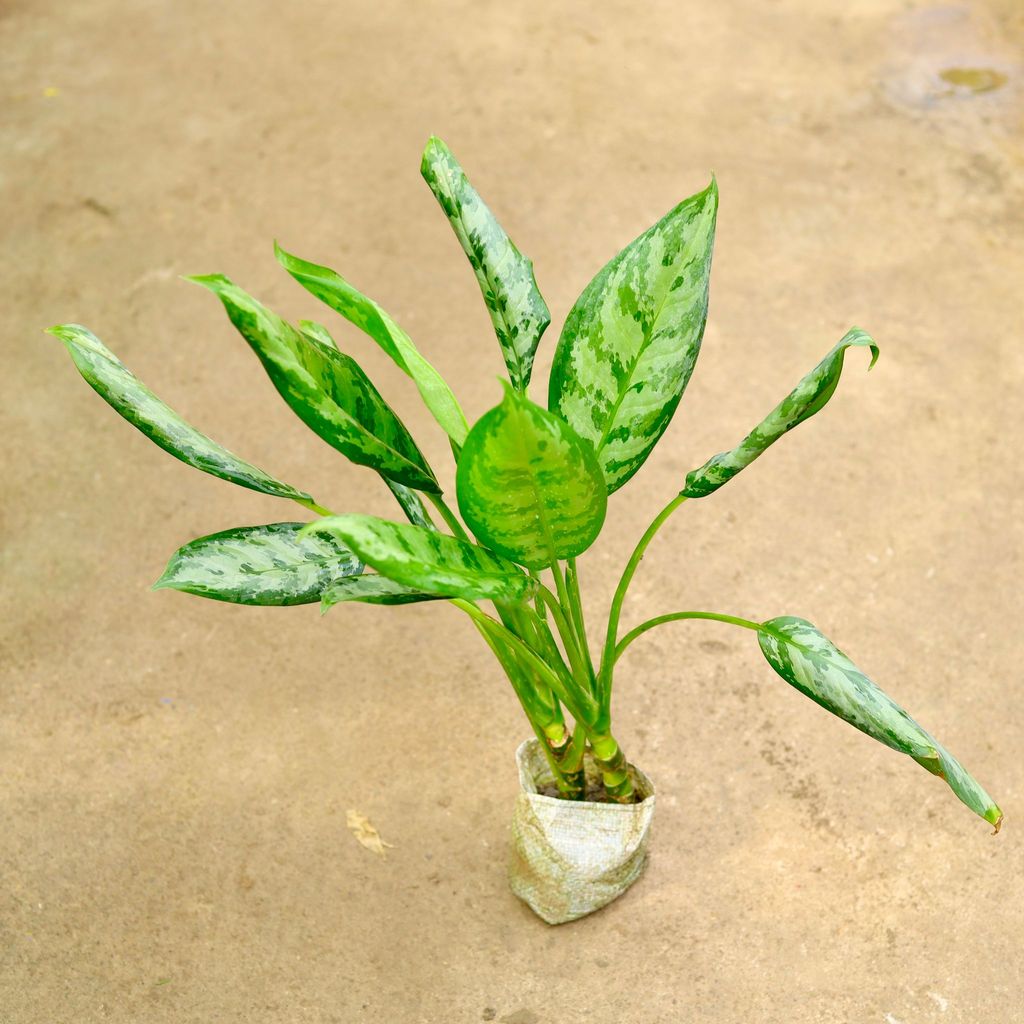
x=572 y=857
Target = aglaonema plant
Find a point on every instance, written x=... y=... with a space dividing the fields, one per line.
x=532 y=483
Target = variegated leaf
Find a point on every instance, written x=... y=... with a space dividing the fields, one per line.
x=336 y=292
x=260 y=565
x=127 y=395
x=818 y=669
x=412 y=504
x=528 y=487
x=371 y=588
x=807 y=398
x=428 y=560
x=326 y=389
x=410 y=501
x=630 y=342
x=507 y=283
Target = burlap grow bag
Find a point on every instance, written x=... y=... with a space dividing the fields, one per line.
x=570 y=858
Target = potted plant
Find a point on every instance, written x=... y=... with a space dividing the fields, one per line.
x=532 y=487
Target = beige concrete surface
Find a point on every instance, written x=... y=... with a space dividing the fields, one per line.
x=176 y=773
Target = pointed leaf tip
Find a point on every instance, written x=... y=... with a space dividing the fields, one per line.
x=807 y=399
x=505 y=276
x=812 y=664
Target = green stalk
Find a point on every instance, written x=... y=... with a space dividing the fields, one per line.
x=576 y=607
x=448 y=515
x=539 y=637
x=568 y=692
x=608 y=657
x=313 y=506
x=548 y=725
x=569 y=641
x=675 y=616
x=615 y=773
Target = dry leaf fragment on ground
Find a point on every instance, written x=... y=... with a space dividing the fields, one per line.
x=365 y=833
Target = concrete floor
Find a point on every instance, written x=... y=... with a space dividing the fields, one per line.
x=176 y=773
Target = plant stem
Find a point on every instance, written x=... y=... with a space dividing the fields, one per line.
x=448 y=516
x=615 y=773
x=313 y=506
x=608 y=657
x=548 y=728
x=576 y=606
x=674 y=616
x=569 y=641
x=574 y=698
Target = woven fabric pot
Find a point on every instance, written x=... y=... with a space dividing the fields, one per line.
x=572 y=857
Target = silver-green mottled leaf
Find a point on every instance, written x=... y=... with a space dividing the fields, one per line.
x=260 y=565
x=371 y=588
x=507 y=283
x=407 y=498
x=326 y=389
x=630 y=342
x=127 y=395
x=528 y=487
x=807 y=398
x=411 y=503
x=818 y=669
x=331 y=288
x=428 y=560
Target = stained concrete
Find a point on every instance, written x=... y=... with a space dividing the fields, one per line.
x=177 y=773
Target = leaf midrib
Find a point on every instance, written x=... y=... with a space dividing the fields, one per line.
x=541 y=508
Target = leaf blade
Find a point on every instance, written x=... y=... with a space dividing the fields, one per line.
x=812 y=664
x=806 y=399
x=527 y=487
x=264 y=566
x=135 y=402
x=371 y=588
x=428 y=560
x=325 y=388
x=332 y=289
x=630 y=342
x=518 y=312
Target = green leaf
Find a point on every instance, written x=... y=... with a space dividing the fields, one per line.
x=807 y=398
x=412 y=504
x=373 y=589
x=527 y=486
x=630 y=343
x=819 y=670
x=507 y=283
x=428 y=560
x=409 y=500
x=331 y=288
x=127 y=395
x=260 y=565
x=326 y=389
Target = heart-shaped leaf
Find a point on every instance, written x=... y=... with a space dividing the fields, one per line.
x=507 y=283
x=819 y=670
x=371 y=588
x=807 y=398
x=630 y=343
x=127 y=395
x=260 y=565
x=331 y=288
x=428 y=560
x=527 y=486
x=326 y=389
